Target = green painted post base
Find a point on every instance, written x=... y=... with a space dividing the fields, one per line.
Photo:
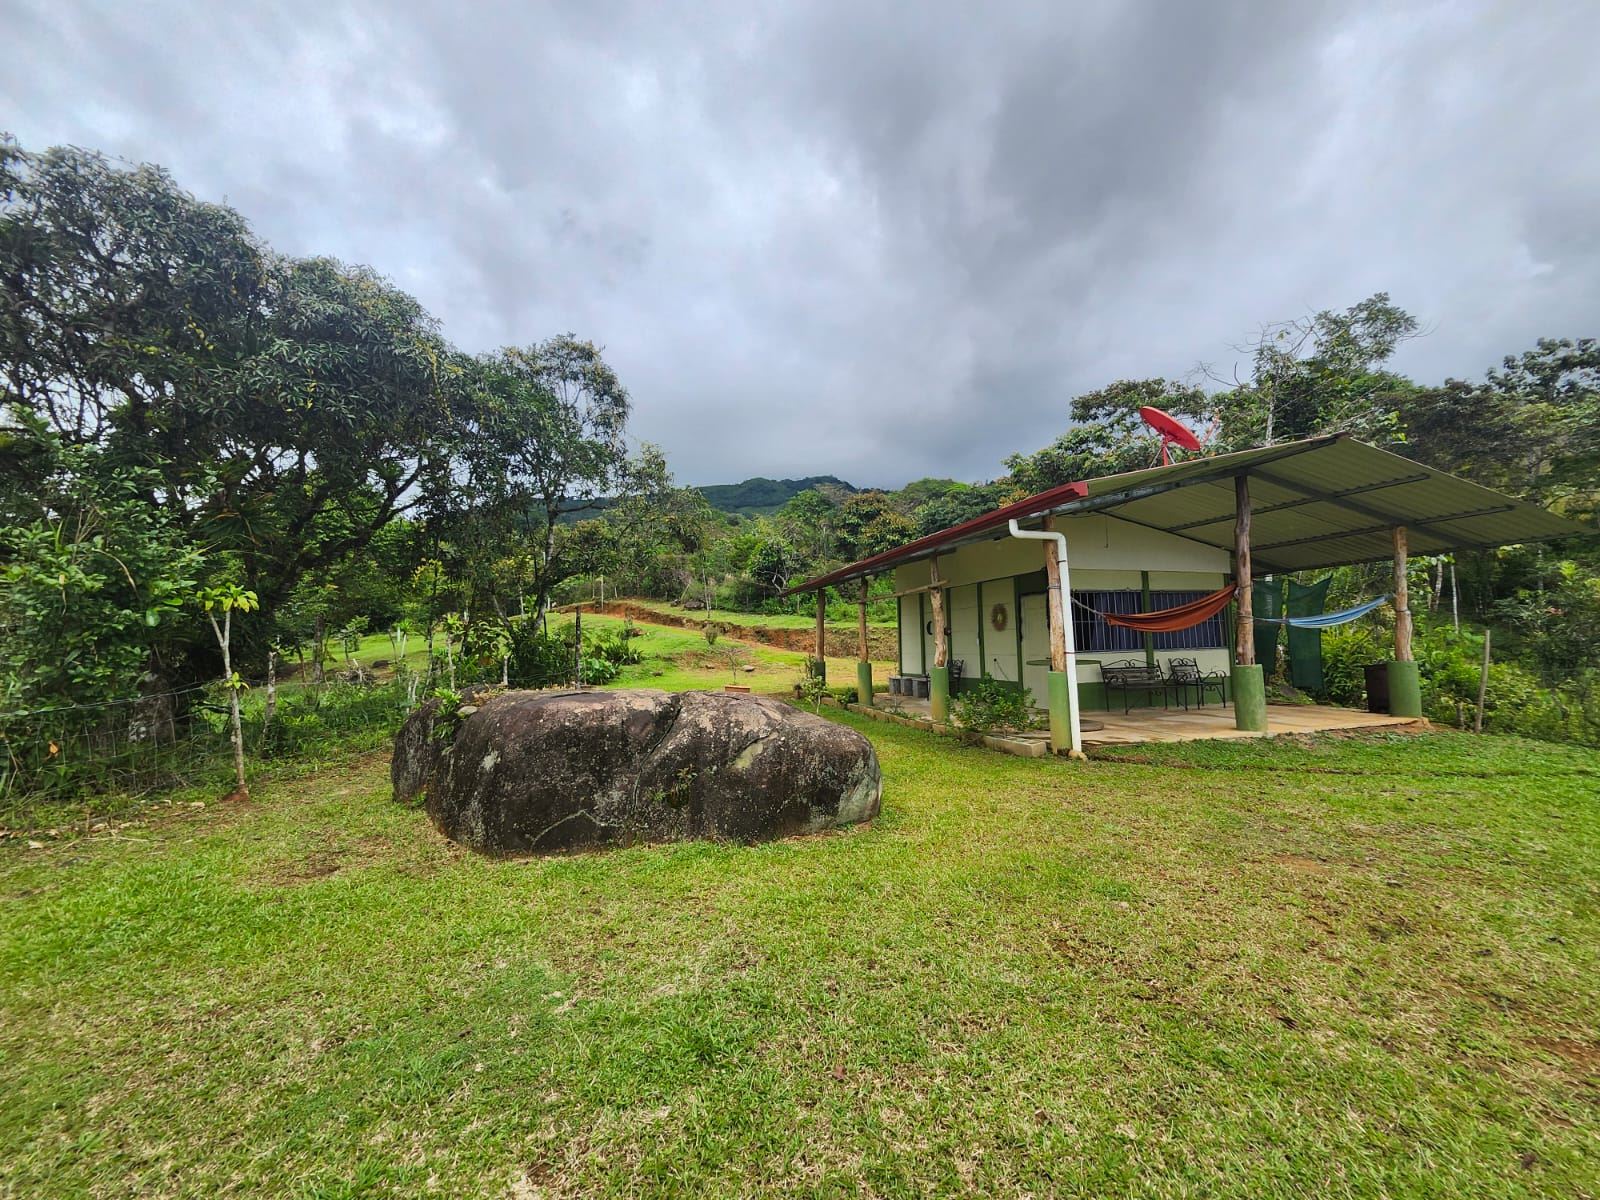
x=1249 y=698
x=1060 y=705
x=1405 y=690
x=864 y=683
x=939 y=694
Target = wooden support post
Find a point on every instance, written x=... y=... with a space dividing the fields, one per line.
x=861 y=625
x=1248 y=677
x=1244 y=651
x=939 y=673
x=1405 y=680
x=1058 y=605
x=864 y=659
x=822 y=616
x=1402 y=599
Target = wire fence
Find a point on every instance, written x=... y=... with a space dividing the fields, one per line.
x=181 y=737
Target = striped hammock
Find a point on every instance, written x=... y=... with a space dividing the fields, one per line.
x=1171 y=620
x=1328 y=620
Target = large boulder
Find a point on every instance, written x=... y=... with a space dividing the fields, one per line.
x=540 y=771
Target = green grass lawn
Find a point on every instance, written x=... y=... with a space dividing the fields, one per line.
x=1353 y=967
x=675 y=659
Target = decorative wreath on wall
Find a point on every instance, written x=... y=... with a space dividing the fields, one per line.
x=998 y=618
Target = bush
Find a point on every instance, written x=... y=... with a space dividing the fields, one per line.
x=538 y=658
x=1346 y=653
x=319 y=718
x=543 y=658
x=988 y=706
x=845 y=695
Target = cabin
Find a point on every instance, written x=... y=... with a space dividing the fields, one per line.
x=1063 y=591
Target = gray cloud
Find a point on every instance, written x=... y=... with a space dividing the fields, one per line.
x=882 y=241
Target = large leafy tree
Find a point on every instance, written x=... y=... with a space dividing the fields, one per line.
x=1320 y=373
x=279 y=411
x=1107 y=434
x=548 y=474
x=1531 y=427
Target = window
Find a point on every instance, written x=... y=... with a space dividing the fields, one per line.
x=1093 y=635
x=1205 y=636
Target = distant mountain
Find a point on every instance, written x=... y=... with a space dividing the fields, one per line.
x=761 y=497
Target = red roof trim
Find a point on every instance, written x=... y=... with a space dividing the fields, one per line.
x=1026 y=507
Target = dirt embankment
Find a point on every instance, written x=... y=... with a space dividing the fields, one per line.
x=839 y=643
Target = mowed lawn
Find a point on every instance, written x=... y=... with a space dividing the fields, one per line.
x=1340 y=968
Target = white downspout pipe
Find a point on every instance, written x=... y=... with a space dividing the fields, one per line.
x=1065 y=583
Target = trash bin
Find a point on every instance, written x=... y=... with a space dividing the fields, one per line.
x=1377 y=687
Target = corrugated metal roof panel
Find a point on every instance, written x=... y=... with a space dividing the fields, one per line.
x=1317 y=503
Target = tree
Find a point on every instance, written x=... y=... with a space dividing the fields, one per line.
x=285 y=410
x=1107 y=435
x=1318 y=374
x=546 y=438
x=228 y=599
x=870 y=522
x=90 y=580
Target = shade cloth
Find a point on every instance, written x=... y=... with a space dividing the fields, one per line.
x=1267 y=603
x=1170 y=620
x=1305 y=644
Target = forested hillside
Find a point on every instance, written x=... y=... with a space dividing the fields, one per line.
x=761 y=497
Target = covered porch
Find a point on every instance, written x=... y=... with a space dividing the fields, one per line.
x=1147 y=725
x=1151 y=573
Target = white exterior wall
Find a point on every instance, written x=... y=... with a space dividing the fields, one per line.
x=910 y=638
x=963 y=619
x=999 y=646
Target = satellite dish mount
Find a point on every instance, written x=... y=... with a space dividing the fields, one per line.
x=1173 y=432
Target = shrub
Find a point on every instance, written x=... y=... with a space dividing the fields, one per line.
x=989 y=706
x=1346 y=652
x=538 y=658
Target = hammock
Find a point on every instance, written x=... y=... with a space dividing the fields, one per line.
x=1328 y=620
x=1170 y=620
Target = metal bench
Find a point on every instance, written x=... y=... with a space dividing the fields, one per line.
x=1135 y=677
x=1185 y=673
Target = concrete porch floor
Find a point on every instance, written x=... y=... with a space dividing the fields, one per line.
x=1178 y=725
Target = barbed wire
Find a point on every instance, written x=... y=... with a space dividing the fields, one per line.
x=61 y=708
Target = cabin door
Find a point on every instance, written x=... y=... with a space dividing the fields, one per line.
x=1036 y=647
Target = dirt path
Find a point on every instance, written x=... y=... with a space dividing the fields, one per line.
x=839 y=643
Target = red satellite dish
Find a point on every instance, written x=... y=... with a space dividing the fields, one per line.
x=1172 y=431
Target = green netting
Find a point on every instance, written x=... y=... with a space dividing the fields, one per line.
x=1266 y=599
x=1305 y=645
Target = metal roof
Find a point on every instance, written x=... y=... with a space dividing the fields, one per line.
x=1323 y=502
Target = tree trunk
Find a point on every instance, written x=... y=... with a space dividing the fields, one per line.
x=822 y=627
x=1245 y=633
x=941 y=653
x=224 y=638
x=1483 y=684
x=272 y=691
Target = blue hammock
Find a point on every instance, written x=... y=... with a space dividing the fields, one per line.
x=1328 y=620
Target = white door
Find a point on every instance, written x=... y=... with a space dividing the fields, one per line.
x=1036 y=647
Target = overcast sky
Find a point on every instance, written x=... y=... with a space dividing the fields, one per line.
x=870 y=240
